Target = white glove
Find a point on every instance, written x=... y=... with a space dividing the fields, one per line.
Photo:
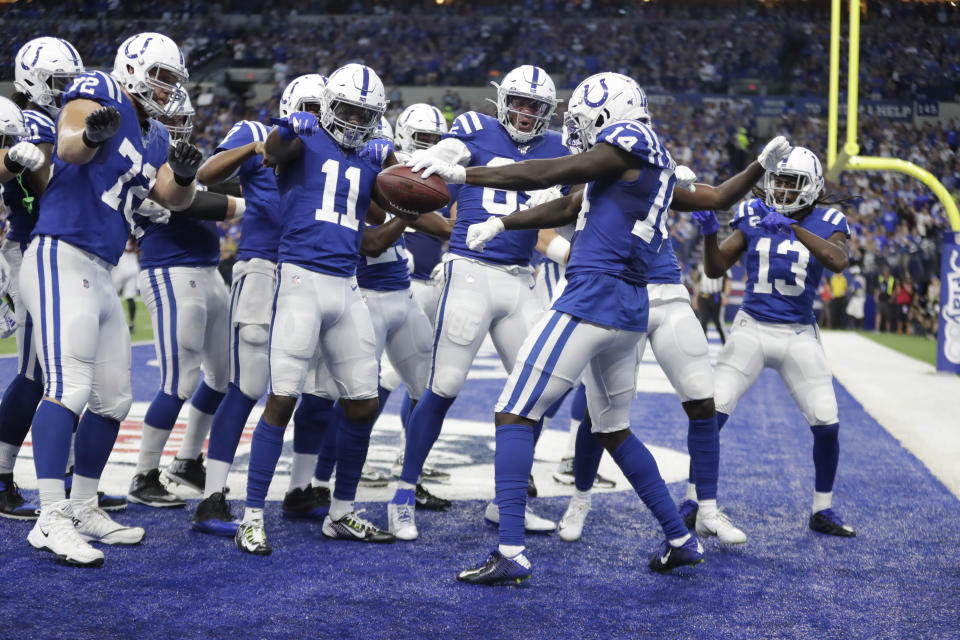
x=154 y=212
x=481 y=233
x=8 y=320
x=4 y=276
x=423 y=160
x=27 y=155
x=775 y=151
x=685 y=177
x=543 y=196
x=437 y=274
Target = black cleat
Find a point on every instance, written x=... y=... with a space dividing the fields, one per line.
x=497 y=569
x=826 y=521
x=188 y=472
x=145 y=488
x=12 y=504
x=429 y=502
x=310 y=503
x=531 y=488
x=353 y=527
x=670 y=557
x=213 y=516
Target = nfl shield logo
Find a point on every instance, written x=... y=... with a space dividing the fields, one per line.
x=193 y=284
x=86 y=283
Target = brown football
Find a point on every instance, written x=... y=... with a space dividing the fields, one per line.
x=408 y=192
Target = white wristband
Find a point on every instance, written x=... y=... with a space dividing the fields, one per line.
x=558 y=250
x=239 y=206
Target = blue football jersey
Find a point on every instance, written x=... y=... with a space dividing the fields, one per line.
x=665 y=269
x=325 y=194
x=782 y=274
x=261 y=223
x=90 y=205
x=17 y=194
x=388 y=271
x=425 y=250
x=491 y=146
x=182 y=242
x=620 y=233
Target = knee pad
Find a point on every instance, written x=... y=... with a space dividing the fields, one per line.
x=255 y=335
x=821 y=407
x=116 y=407
x=447 y=381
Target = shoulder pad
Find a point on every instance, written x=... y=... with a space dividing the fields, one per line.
x=638 y=139
x=42 y=128
x=94 y=85
x=467 y=125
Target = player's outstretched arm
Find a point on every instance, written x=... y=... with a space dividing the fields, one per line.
x=378 y=239
x=718 y=258
x=601 y=161
x=176 y=180
x=221 y=166
x=83 y=127
x=555 y=213
x=831 y=252
x=553 y=245
x=279 y=150
x=434 y=224
x=209 y=205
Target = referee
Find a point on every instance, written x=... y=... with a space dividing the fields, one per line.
x=709 y=297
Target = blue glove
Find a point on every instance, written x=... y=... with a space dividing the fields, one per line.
x=776 y=222
x=708 y=222
x=300 y=123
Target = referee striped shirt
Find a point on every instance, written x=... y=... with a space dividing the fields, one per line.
x=710 y=286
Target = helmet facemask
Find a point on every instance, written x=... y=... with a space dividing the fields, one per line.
x=515 y=108
x=789 y=191
x=350 y=123
x=166 y=82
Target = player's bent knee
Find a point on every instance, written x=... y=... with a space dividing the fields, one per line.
x=700 y=409
x=364 y=410
x=822 y=407
x=279 y=410
x=447 y=381
x=254 y=335
x=189 y=379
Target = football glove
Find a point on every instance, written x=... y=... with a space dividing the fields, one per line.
x=102 y=124
x=543 y=196
x=775 y=151
x=154 y=212
x=480 y=233
x=423 y=160
x=775 y=222
x=184 y=160
x=8 y=320
x=23 y=156
x=708 y=222
x=685 y=177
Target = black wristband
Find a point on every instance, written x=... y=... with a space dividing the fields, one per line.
x=183 y=181
x=90 y=143
x=12 y=165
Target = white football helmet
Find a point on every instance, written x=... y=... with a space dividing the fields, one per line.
x=797 y=182
x=12 y=123
x=180 y=124
x=139 y=63
x=420 y=126
x=384 y=130
x=43 y=69
x=596 y=102
x=531 y=87
x=354 y=102
x=304 y=93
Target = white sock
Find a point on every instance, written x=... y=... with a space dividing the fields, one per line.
x=8 y=457
x=317 y=482
x=152 y=443
x=198 y=426
x=51 y=491
x=582 y=496
x=302 y=470
x=572 y=439
x=249 y=515
x=822 y=500
x=678 y=542
x=708 y=507
x=83 y=488
x=217 y=471
x=340 y=508
x=691 y=492
x=510 y=550
x=405 y=485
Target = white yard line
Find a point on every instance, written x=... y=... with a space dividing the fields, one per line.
x=915 y=404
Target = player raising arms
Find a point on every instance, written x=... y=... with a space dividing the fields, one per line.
x=110 y=155
x=602 y=315
x=775 y=327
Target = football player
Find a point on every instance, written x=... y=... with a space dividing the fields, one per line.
x=110 y=156
x=124 y=277
x=601 y=317
x=42 y=70
x=786 y=239
x=485 y=292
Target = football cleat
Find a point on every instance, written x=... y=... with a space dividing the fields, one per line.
x=353 y=527
x=54 y=532
x=94 y=525
x=688 y=511
x=532 y=523
x=669 y=557
x=427 y=473
x=213 y=516
x=826 y=521
x=251 y=537
x=310 y=503
x=373 y=477
x=497 y=569
x=531 y=487
x=718 y=524
x=564 y=475
x=12 y=503
x=106 y=502
x=145 y=488
x=429 y=502
x=401 y=520
x=571 y=524
x=187 y=472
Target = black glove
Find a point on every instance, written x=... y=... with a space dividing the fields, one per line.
x=184 y=159
x=101 y=125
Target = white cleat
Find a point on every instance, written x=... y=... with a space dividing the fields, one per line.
x=571 y=524
x=94 y=525
x=532 y=523
x=402 y=521
x=719 y=525
x=54 y=532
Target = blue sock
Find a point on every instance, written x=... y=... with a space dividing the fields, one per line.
x=327 y=457
x=205 y=399
x=310 y=423
x=578 y=406
x=426 y=421
x=383 y=394
x=637 y=463
x=722 y=419
x=703 y=443
x=96 y=436
x=19 y=403
x=228 y=423
x=163 y=411
x=512 y=463
x=406 y=408
x=826 y=455
x=264 y=452
x=353 y=440
x=52 y=434
x=586 y=458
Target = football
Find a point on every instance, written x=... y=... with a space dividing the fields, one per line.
x=407 y=191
